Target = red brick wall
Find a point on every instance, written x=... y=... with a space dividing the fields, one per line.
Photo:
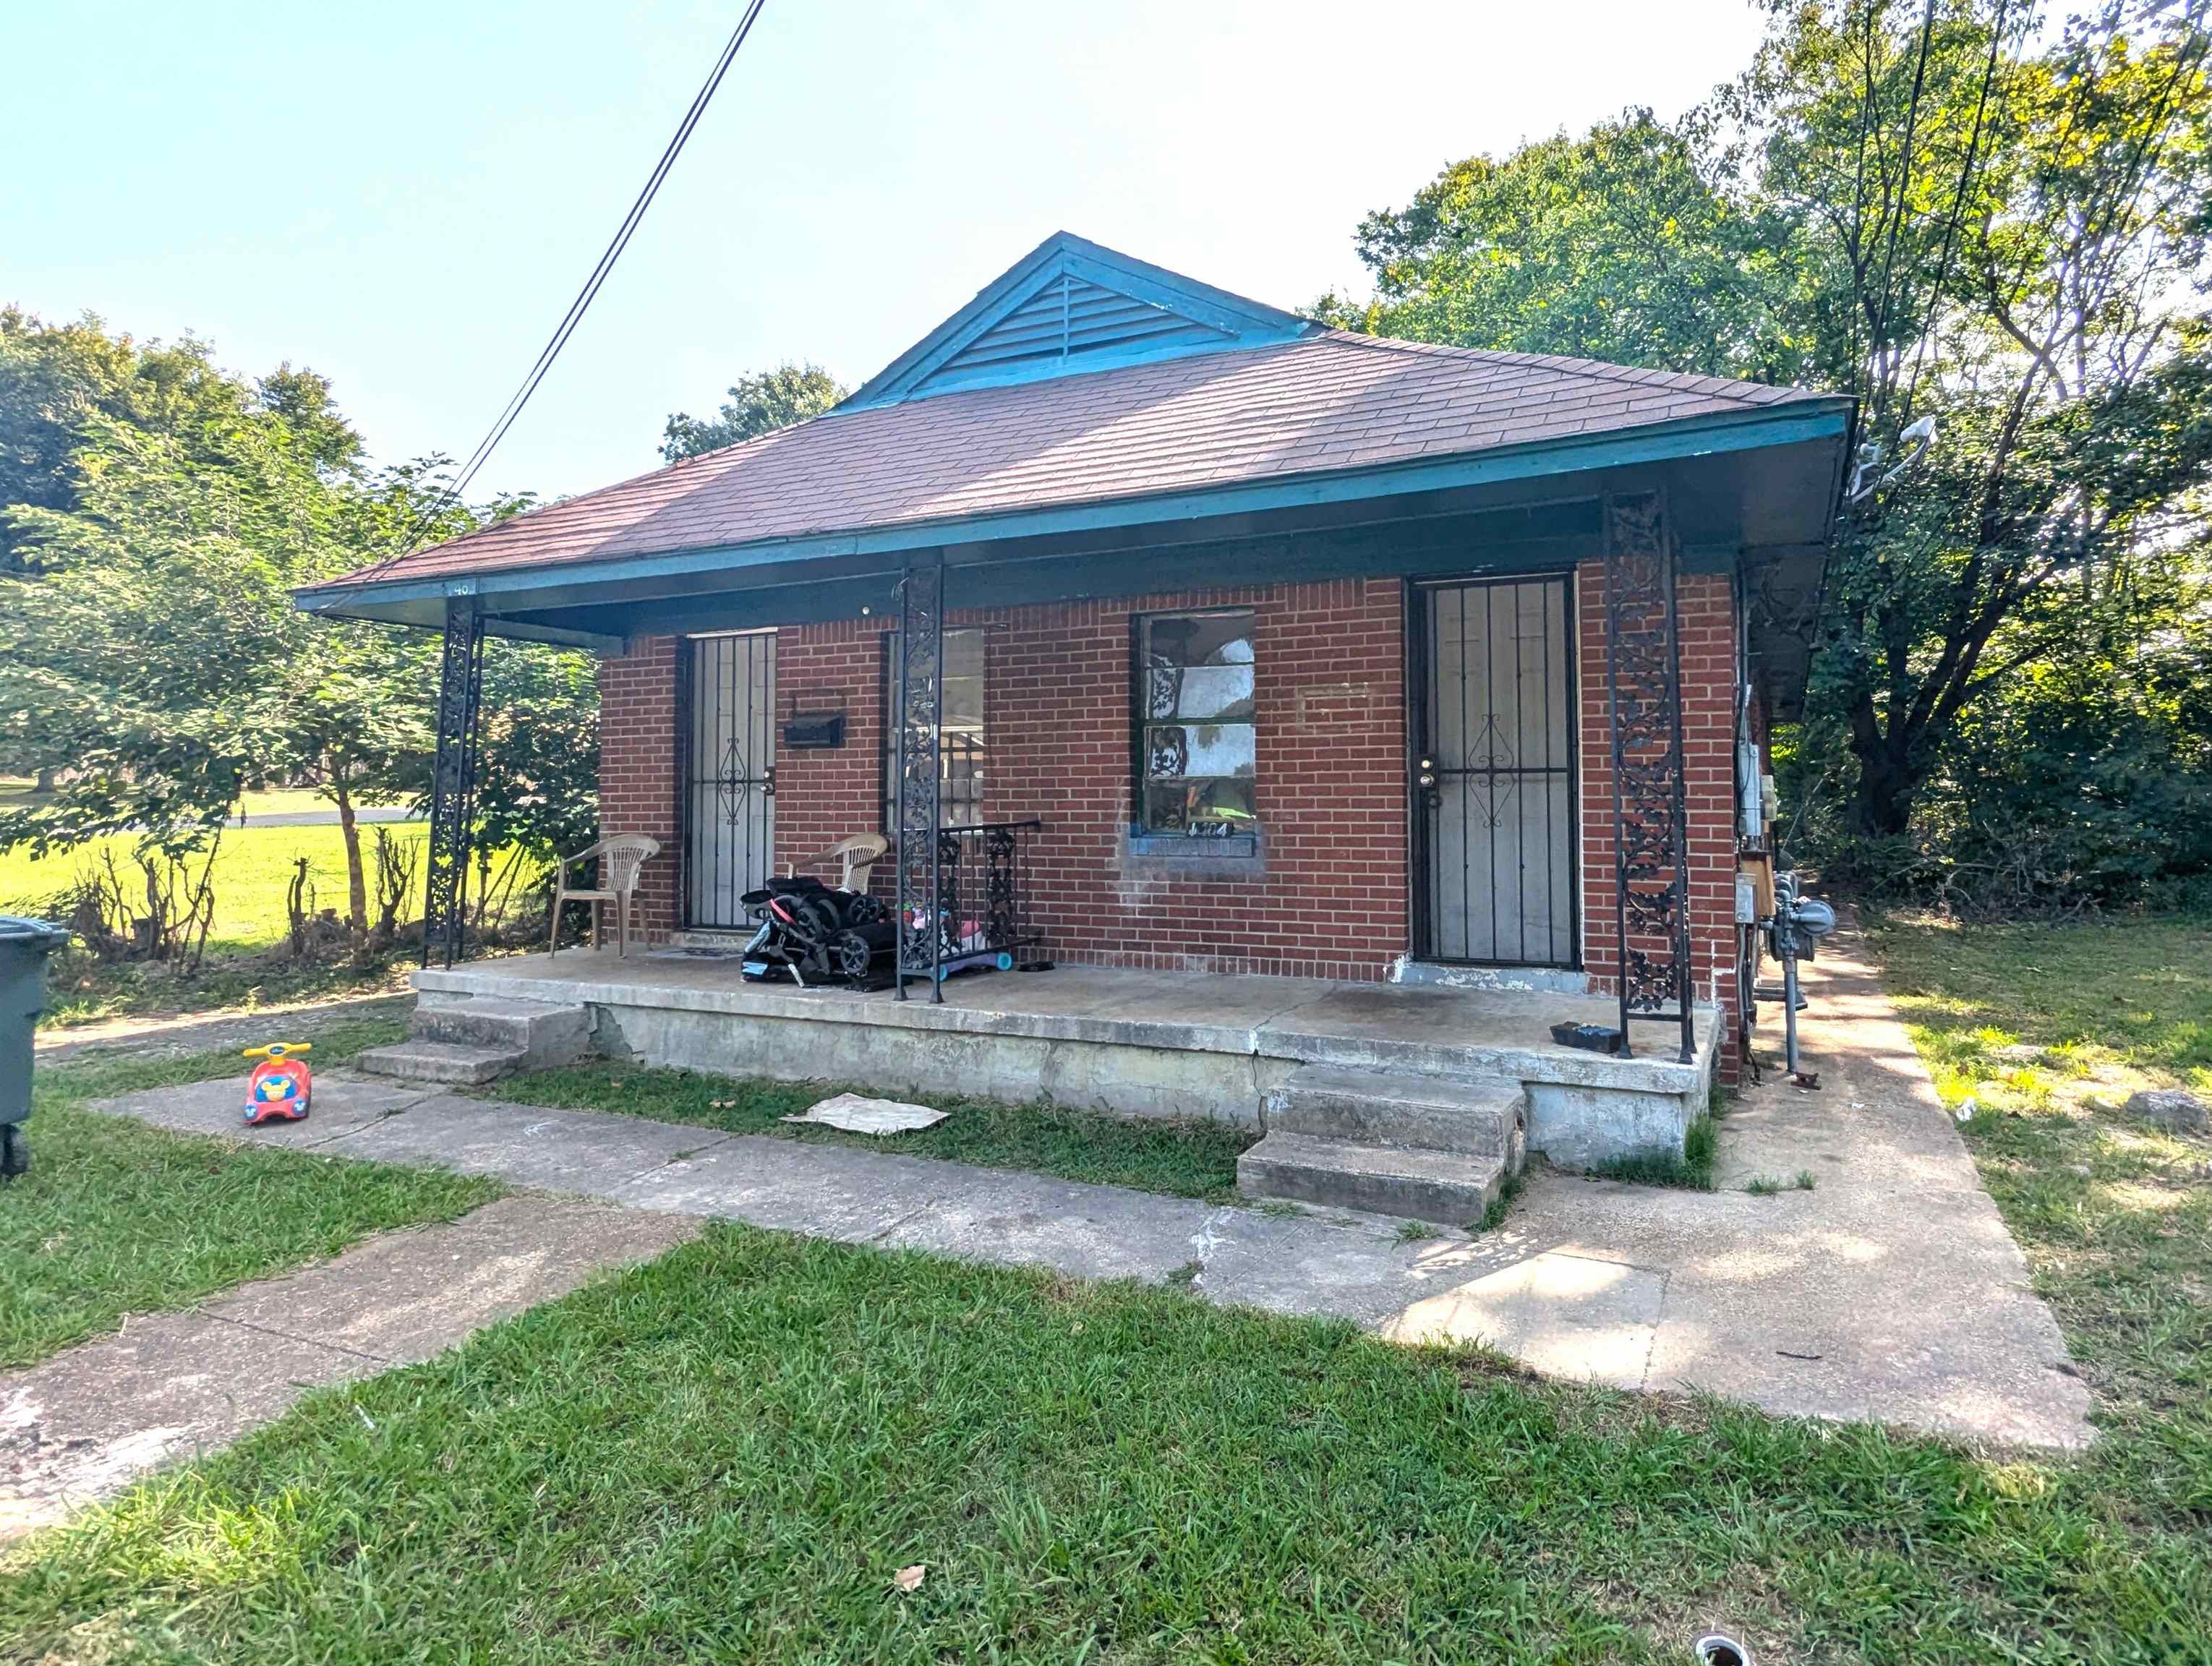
x=1706 y=613
x=1329 y=897
x=1332 y=900
x=637 y=770
x=822 y=797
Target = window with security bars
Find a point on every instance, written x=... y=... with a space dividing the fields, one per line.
x=961 y=763
x=1196 y=752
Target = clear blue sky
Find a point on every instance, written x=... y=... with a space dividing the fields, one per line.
x=405 y=196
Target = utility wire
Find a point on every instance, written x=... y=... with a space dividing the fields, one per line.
x=574 y=316
x=1958 y=213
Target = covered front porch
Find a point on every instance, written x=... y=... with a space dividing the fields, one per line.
x=1373 y=706
x=1131 y=1043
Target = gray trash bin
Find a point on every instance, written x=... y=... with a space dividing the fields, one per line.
x=24 y=946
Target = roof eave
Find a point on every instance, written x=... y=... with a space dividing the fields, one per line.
x=1789 y=422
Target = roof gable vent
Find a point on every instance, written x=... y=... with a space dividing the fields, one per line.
x=1071 y=306
x=1069 y=318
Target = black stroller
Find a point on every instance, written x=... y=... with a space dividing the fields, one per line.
x=819 y=935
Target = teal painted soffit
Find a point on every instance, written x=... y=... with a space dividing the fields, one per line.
x=1070 y=306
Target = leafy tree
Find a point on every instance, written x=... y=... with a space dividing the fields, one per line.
x=537 y=766
x=146 y=643
x=302 y=401
x=2016 y=243
x=55 y=379
x=2092 y=778
x=1625 y=244
x=758 y=405
x=158 y=659
x=1923 y=206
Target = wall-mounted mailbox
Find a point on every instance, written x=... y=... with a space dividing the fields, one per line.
x=814 y=732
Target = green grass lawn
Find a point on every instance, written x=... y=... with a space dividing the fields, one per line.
x=729 y=1453
x=117 y=1218
x=2039 y=1033
x=16 y=793
x=1192 y=1158
x=252 y=877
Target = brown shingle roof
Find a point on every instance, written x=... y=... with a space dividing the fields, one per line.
x=1331 y=402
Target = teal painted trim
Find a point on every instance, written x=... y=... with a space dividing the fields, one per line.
x=1045 y=370
x=527 y=630
x=519 y=631
x=773 y=605
x=1258 y=562
x=1243 y=322
x=1794 y=423
x=1095 y=259
x=1185 y=297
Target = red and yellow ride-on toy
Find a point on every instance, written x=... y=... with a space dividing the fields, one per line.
x=281 y=1087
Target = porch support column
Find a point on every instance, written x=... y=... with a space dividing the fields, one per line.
x=1650 y=815
x=921 y=742
x=454 y=781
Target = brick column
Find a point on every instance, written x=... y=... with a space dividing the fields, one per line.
x=638 y=779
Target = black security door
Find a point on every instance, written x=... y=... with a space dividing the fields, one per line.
x=730 y=774
x=1494 y=776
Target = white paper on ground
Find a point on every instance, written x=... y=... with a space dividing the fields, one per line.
x=856 y=1114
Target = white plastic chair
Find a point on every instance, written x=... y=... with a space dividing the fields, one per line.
x=620 y=857
x=858 y=856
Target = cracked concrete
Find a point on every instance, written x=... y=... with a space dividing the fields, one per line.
x=1890 y=1292
x=81 y=1424
x=188 y=1033
x=1140 y=1043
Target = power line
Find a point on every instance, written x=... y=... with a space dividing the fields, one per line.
x=1957 y=211
x=574 y=316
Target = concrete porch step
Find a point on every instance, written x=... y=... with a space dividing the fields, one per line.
x=1478 y=1117
x=458 y=1062
x=1450 y=1188
x=544 y=1032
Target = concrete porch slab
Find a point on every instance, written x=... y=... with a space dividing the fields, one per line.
x=1135 y=1042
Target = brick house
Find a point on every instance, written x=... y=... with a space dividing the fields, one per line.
x=1294 y=641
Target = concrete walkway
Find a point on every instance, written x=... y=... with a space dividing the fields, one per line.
x=1891 y=1291
x=175 y=1037
x=366 y=815
x=84 y=1423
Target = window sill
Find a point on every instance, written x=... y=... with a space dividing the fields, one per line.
x=1238 y=846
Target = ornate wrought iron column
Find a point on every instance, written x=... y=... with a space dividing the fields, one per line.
x=920 y=741
x=454 y=781
x=1651 y=819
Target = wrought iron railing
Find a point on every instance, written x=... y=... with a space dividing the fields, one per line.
x=454 y=782
x=1651 y=832
x=983 y=875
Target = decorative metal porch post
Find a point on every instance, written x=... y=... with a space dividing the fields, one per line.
x=921 y=742
x=1651 y=819
x=454 y=781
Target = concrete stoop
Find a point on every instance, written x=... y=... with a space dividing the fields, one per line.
x=471 y=1039
x=1426 y=1148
